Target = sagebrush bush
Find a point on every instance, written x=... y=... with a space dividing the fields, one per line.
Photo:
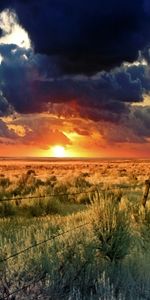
x=80 y=182
x=4 y=182
x=51 y=181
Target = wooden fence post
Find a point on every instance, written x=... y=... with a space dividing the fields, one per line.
x=145 y=196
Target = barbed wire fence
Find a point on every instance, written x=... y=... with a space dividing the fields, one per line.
x=4 y=260
x=43 y=242
x=16 y=254
x=67 y=194
x=45 y=196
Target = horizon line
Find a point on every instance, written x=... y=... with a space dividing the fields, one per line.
x=72 y=158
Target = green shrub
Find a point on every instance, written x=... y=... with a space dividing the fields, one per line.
x=61 y=189
x=36 y=209
x=45 y=206
x=7 y=209
x=53 y=206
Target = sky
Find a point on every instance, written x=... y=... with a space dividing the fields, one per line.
x=75 y=78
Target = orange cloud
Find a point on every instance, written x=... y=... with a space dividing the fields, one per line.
x=34 y=135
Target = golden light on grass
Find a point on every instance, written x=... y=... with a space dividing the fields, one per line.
x=58 y=151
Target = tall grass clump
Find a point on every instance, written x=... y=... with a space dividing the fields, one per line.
x=145 y=230
x=111 y=227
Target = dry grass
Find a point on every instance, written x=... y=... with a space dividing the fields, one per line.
x=106 y=259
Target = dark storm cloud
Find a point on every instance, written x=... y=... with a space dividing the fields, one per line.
x=21 y=72
x=31 y=81
x=132 y=127
x=136 y=126
x=5 y=108
x=86 y=36
x=141 y=118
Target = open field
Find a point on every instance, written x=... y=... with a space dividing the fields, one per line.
x=74 y=229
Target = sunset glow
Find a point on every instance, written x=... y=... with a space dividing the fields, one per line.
x=58 y=151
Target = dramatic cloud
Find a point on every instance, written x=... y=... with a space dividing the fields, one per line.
x=30 y=77
x=77 y=62
x=32 y=83
x=86 y=36
x=29 y=130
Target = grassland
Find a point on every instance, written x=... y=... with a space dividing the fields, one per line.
x=85 y=234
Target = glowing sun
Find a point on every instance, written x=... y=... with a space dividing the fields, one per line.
x=58 y=151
